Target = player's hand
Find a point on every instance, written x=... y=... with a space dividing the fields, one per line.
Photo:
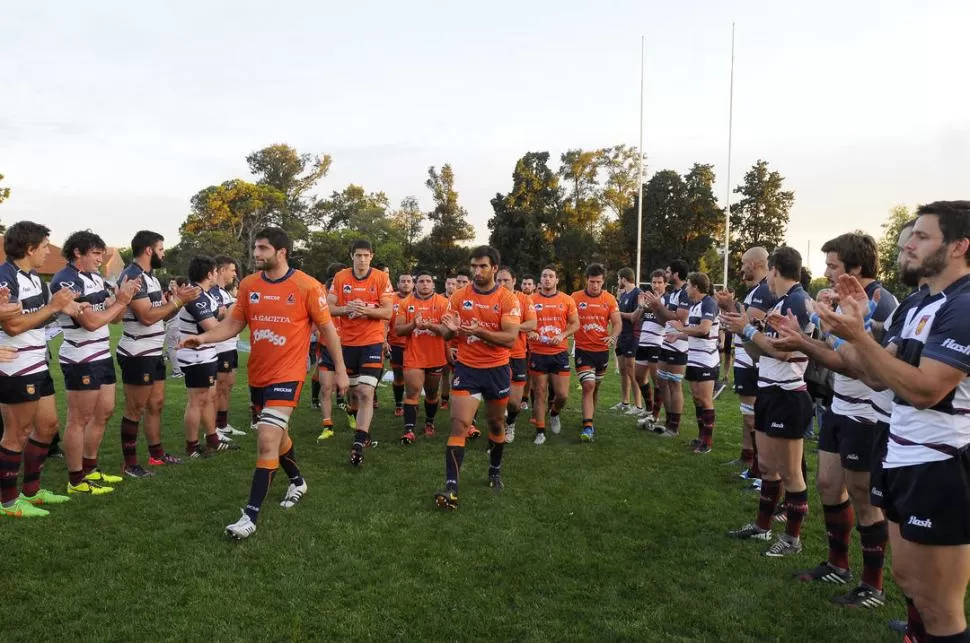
x=192 y=341
x=677 y=324
x=4 y=295
x=188 y=293
x=827 y=298
x=734 y=322
x=725 y=300
x=127 y=291
x=533 y=336
x=452 y=355
x=7 y=354
x=790 y=337
x=557 y=339
x=849 y=324
x=848 y=287
x=779 y=321
x=77 y=308
x=342 y=381
x=62 y=299
x=421 y=323
x=471 y=327
x=610 y=340
x=649 y=299
x=450 y=321
x=10 y=310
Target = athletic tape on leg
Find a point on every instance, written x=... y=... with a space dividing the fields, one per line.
x=367 y=380
x=274 y=418
x=747 y=409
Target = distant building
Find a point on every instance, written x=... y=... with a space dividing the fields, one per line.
x=111 y=268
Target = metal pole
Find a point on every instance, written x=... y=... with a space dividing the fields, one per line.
x=727 y=216
x=640 y=173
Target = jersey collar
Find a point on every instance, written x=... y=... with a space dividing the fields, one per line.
x=277 y=281
x=484 y=292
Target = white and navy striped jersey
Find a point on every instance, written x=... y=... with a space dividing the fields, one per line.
x=703 y=351
x=190 y=320
x=224 y=300
x=677 y=300
x=789 y=374
x=139 y=340
x=27 y=289
x=81 y=345
x=882 y=401
x=759 y=298
x=936 y=328
x=851 y=398
x=651 y=329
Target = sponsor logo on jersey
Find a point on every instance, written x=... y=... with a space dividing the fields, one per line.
x=953 y=346
x=537 y=307
x=925 y=523
x=348 y=289
x=921 y=324
x=467 y=304
x=254 y=297
x=264 y=334
x=291 y=299
x=583 y=305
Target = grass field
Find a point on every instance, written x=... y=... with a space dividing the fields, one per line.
x=623 y=539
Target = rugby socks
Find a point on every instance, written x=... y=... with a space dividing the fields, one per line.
x=289 y=465
x=495 y=454
x=9 y=469
x=747 y=457
x=398 y=388
x=361 y=438
x=914 y=622
x=658 y=402
x=88 y=465
x=796 y=508
x=212 y=440
x=454 y=454
x=430 y=409
x=262 y=478
x=511 y=414
x=314 y=391
x=35 y=453
x=411 y=414
x=672 y=422
x=156 y=451
x=838 y=525
x=129 y=441
x=698 y=411
x=708 y=418
x=648 y=401
x=75 y=477
x=222 y=419
x=770 y=495
x=874 y=539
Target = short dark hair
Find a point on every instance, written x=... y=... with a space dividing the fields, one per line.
x=487 y=252
x=700 y=281
x=277 y=238
x=334 y=268
x=787 y=261
x=22 y=236
x=179 y=281
x=679 y=267
x=805 y=278
x=361 y=244
x=422 y=271
x=143 y=240
x=658 y=273
x=595 y=270
x=627 y=273
x=528 y=277
x=552 y=267
x=463 y=272
x=84 y=241
x=507 y=269
x=200 y=267
x=954 y=219
x=449 y=276
x=225 y=260
x=855 y=250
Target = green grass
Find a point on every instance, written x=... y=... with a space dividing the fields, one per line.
x=623 y=539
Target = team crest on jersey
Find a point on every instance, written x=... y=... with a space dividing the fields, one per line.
x=410 y=309
x=348 y=289
x=397 y=307
x=495 y=308
x=254 y=297
x=291 y=299
x=86 y=380
x=537 y=307
x=31 y=389
x=467 y=304
x=582 y=305
x=921 y=325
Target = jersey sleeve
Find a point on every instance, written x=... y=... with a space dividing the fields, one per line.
x=384 y=288
x=200 y=309
x=949 y=339
x=62 y=280
x=510 y=308
x=571 y=307
x=798 y=306
x=240 y=310
x=142 y=291
x=528 y=309
x=886 y=305
x=612 y=305
x=762 y=299
x=709 y=308
x=316 y=302
x=683 y=303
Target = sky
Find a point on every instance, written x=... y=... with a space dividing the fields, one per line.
x=113 y=114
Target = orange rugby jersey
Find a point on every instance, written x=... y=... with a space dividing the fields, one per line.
x=281 y=315
x=594 y=319
x=489 y=308
x=374 y=290
x=528 y=314
x=393 y=338
x=425 y=348
x=552 y=317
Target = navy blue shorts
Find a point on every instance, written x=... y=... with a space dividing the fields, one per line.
x=279 y=394
x=673 y=358
x=484 y=383
x=19 y=389
x=520 y=370
x=702 y=373
x=397 y=356
x=648 y=355
x=325 y=361
x=200 y=375
x=557 y=364
x=626 y=346
x=364 y=363
x=746 y=382
x=597 y=360
x=228 y=361
x=89 y=376
x=141 y=371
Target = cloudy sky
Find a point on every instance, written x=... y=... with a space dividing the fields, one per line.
x=113 y=114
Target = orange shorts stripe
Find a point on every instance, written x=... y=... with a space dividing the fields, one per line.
x=268 y=464
x=287 y=444
x=455 y=393
x=456 y=441
x=373 y=365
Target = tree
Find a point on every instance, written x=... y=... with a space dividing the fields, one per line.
x=291 y=174
x=889 y=251
x=621 y=164
x=442 y=251
x=409 y=219
x=4 y=195
x=521 y=224
x=227 y=217
x=760 y=216
x=577 y=230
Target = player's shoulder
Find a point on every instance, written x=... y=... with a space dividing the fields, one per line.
x=578 y=295
x=63 y=278
x=610 y=298
x=248 y=281
x=304 y=281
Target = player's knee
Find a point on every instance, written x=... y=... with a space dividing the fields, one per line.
x=154 y=405
x=829 y=487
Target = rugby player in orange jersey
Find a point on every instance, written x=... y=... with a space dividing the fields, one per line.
x=280 y=305
x=363 y=297
x=419 y=324
x=528 y=286
x=451 y=284
x=397 y=343
x=325 y=377
x=518 y=360
x=597 y=310
x=556 y=321
x=485 y=318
